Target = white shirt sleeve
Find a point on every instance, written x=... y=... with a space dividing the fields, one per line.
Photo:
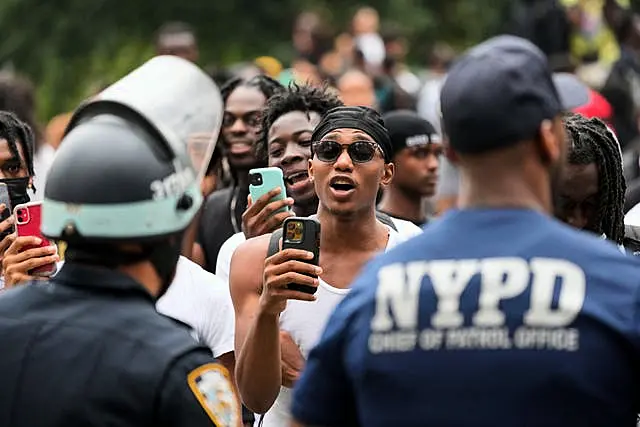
x=200 y=299
x=223 y=263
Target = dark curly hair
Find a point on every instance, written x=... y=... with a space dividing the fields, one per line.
x=303 y=98
x=15 y=132
x=591 y=141
x=265 y=84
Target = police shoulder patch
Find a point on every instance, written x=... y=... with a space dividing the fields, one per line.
x=212 y=388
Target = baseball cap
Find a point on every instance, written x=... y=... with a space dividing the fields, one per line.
x=497 y=94
x=407 y=129
x=587 y=101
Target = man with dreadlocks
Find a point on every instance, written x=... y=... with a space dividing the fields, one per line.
x=16 y=171
x=222 y=213
x=591 y=192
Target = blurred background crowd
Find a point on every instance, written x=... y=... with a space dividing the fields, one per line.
x=387 y=55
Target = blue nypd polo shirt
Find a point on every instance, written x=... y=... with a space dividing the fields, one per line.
x=489 y=318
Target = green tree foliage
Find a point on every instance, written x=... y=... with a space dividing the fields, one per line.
x=71 y=47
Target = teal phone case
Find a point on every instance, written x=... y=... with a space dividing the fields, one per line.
x=263 y=180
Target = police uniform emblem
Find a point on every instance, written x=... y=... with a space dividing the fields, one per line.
x=212 y=387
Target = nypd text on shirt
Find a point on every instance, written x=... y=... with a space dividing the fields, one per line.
x=544 y=322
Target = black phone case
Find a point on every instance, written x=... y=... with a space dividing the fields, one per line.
x=310 y=242
x=4 y=215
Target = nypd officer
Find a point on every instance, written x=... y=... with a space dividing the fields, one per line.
x=88 y=347
x=498 y=314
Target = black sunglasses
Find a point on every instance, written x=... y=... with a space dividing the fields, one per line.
x=359 y=151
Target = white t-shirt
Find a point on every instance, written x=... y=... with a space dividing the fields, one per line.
x=406 y=230
x=305 y=322
x=200 y=299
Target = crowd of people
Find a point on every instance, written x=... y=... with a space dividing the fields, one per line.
x=477 y=253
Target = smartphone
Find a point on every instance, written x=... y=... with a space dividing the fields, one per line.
x=263 y=180
x=302 y=233
x=28 y=217
x=6 y=200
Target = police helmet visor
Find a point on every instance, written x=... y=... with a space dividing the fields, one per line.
x=194 y=114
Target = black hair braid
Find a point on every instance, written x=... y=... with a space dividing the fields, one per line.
x=304 y=98
x=15 y=131
x=590 y=141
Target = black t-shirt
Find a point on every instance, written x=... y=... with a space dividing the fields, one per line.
x=217 y=223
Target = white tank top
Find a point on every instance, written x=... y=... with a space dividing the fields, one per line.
x=305 y=321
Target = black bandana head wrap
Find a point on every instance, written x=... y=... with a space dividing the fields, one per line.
x=362 y=118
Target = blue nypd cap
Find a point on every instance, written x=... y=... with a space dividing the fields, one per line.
x=497 y=94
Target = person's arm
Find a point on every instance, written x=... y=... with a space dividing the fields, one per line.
x=196 y=392
x=18 y=260
x=258 y=361
x=245 y=302
x=245 y=282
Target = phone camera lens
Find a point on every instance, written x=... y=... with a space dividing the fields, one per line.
x=255 y=179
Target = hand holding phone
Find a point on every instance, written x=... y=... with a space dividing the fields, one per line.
x=293 y=272
x=302 y=233
x=269 y=205
x=28 y=218
x=6 y=227
x=23 y=256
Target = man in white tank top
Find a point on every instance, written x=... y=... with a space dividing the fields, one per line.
x=352 y=154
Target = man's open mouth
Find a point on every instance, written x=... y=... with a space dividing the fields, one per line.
x=342 y=186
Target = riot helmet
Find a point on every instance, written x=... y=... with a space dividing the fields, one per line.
x=123 y=174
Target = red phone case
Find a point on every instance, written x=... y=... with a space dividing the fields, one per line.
x=28 y=218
